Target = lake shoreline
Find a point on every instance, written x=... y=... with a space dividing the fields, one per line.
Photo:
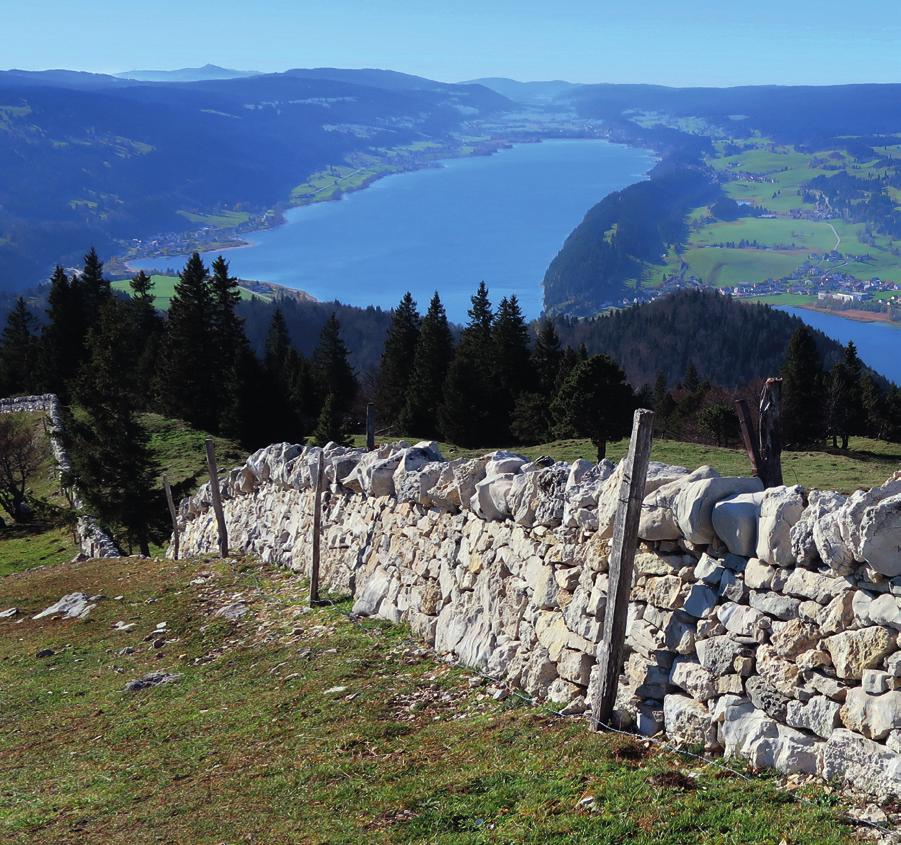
x=856 y=316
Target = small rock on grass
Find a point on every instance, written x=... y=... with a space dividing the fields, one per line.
x=334 y=690
x=153 y=679
x=8 y=614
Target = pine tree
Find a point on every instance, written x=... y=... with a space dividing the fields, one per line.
x=331 y=368
x=95 y=290
x=547 y=356
x=329 y=428
x=111 y=457
x=188 y=377
x=18 y=353
x=396 y=366
x=512 y=365
x=434 y=352
x=595 y=402
x=466 y=415
x=63 y=339
x=278 y=347
x=802 y=391
x=231 y=350
x=142 y=287
x=856 y=411
x=150 y=328
x=874 y=406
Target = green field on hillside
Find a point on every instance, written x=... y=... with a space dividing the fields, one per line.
x=164 y=289
x=294 y=726
x=219 y=220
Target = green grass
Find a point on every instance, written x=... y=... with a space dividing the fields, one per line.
x=728 y=267
x=809 y=235
x=868 y=463
x=250 y=744
x=164 y=290
x=219 y=219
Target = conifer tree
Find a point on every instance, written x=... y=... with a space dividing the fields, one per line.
x=434 y=351
x=278 y=348
x=188 y=379
x=63 y=338
x=331 y=368
x=802 y=391
x=110 y=453
x=18 y=352
x=396 y=366
x=150 y=328
x=95 y=290
x=231 y=350
x=547 y=356
x=329 y=427
x=595 y=401
x=466 y=415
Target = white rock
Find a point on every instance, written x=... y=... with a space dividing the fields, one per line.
x=688 y=674
x=694 y=504
x=658 y=519
x=779 y=512
x=854 y=651
x=862 y=763
x=70 y=606
x=688 y=722
x=735 y=521
x=880 y=536
x=886 y=610
x=874 y=716
x=758 y=575
x=820 y=715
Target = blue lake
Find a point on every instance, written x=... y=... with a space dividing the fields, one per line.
x=501 y=218
x=878 y=344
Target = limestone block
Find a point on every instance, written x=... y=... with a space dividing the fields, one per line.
x=700 y=602
x=688 y=722
x=575 y=666
x=779 y=512
x=735 y=521
x=773 y=604
x=688 y=674
x=741 y=620
x=502 y=462
x=807 y=584
x=886 y=611
x=874 y=716
x=876 y=681
x=803 y=543
x=758 y=575
x=766 y=697
x=825 y=684
x=854 y=651
x=490 y=498
x=552 y=632
x=880 y=536
x=793 y=637
x=648 y=676
x=664 y=591
x=862 y=763
x=709 y=570
x=837 y=615
x=779 y=673
x=694 y=504
x=717 y=654
x=820 y=715
x=658 y=519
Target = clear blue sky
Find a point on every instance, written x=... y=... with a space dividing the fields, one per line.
x=674 y=42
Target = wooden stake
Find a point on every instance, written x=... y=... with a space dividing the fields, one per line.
x=370 y=427
x=317 y=530
x=214 y=495
x=771 y=432
x=747 y=435
x=173 y=514
x=622 y=557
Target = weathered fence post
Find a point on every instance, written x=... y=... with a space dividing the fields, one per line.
x=622 y=557
x=317 y=530
x=747 y=435
x=771 y=432
x=173 y=514
x=370 y=427
x=214 y=495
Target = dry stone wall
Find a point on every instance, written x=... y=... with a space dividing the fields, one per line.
x=763 y=623
x=93 y=541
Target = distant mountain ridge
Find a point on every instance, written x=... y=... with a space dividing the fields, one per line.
x=187 y=74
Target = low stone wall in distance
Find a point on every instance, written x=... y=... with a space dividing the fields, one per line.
x=763 y=623
x=93 y=541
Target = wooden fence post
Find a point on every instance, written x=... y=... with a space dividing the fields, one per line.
x=622 y=558
x=370 y=427
x=771 y=432
x=747 y=435
x=173 y=514
x=214 y=495
x=317 y=530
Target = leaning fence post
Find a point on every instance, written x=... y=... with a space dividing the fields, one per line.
x=746 y=425
x=174 y=516
x=215 y=496
x=317 y=530
x=370 y=427
x=622 y=557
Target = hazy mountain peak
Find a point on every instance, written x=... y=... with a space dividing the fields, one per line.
x=187 y=74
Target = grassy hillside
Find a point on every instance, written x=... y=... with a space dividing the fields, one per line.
x=164 y=290
x=295 y=726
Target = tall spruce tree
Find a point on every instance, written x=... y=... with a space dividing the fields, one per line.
x=467 y=413
x=434 y=352
x=233 y=361
x=110 y=452
x=547 y=356
x=189 y=384
x=396 y=366
x=19 y=352
x=802 y=391
x=150 y=327
x=330 y=425
x=595 y=401
x=331 y=367
x=63 y=339
x=512 y=370
x=95 y=290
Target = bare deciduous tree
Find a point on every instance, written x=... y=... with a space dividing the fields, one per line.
x=19 y=459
